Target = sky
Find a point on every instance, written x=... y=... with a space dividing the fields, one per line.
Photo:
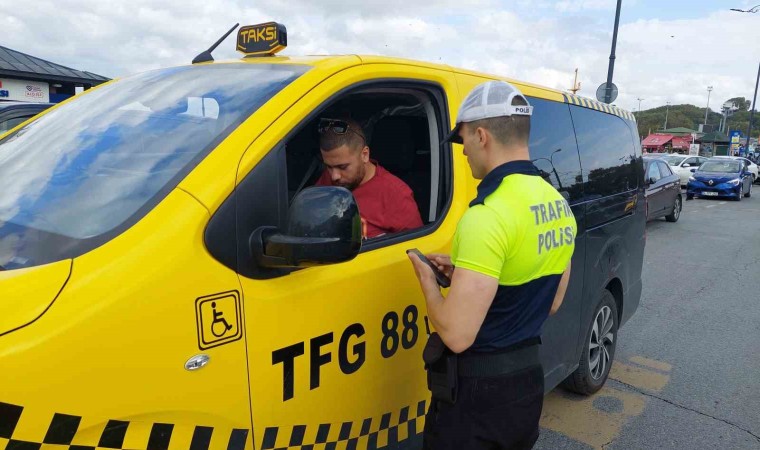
x=668 y=50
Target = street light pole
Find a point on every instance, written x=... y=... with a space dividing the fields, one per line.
x=667 y=108
x=752 y=10
x=709 y=90
x=608 y=86
x=752 y=110
x=554 y=169
x=640 y=99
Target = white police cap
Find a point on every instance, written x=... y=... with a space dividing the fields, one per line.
x=486 y=101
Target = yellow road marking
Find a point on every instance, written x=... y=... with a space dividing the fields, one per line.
x=578 y=418
x=651 y=363
x=597 y=420
x=638 y=377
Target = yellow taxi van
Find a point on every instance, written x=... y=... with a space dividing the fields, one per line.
x=171 y=279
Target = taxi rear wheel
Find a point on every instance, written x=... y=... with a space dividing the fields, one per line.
x=598 y=350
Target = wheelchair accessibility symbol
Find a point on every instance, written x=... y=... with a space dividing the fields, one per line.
x=219 y=319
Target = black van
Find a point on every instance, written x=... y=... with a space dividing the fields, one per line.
x=594 y=159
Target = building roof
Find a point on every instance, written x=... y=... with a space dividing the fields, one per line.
x=716 y=137
x=679 y=130
x=17 y=64
x=656 y=140
x=682 y=142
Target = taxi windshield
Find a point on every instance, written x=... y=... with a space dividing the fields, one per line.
x=86 y=171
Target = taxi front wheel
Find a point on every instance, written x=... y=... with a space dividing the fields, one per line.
x=598 y=350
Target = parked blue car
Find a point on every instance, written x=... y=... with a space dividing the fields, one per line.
x=720 y=178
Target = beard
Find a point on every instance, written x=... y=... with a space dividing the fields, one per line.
x=354 y=183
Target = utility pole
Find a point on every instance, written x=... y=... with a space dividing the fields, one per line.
x=576 y=85
x=667 y=108
x=723 y=119
x=709 y=90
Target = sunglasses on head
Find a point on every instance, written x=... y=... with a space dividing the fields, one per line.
x=336 y=126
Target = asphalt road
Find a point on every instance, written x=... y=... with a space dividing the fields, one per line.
x=687 y=370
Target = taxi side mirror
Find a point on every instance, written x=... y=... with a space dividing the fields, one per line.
x=693 y=170
x=686 y=165
x=323 y=227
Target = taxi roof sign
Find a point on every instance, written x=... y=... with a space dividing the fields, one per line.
x=264 y=39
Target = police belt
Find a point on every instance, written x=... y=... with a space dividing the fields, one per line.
x=501 y=363
x=444 y=368
x=439 y=359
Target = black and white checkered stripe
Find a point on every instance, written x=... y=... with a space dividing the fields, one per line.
x=408 y=417
x=63 y=428
x=592 y=104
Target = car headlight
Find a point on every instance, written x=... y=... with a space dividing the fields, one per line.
x=692 y=179
x=735 y=182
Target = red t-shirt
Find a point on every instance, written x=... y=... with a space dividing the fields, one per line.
x=386 y=204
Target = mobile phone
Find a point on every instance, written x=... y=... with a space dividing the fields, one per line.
x=440 y=277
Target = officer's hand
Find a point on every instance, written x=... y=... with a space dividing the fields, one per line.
x=424 y=272
x=443 y=262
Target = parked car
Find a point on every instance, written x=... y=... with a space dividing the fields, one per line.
x=14 y=113
x=662 y=190
x=681 y=165
x=720 y=177
x=753 y=169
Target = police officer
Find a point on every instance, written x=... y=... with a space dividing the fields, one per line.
x=509 y=269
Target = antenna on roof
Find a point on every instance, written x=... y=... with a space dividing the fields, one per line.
x=576 y=85
x=206 y=55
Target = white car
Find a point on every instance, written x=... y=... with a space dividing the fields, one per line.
x=681 y=165
x=752 y=167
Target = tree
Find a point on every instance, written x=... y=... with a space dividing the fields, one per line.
x=687 y=116
x=741 y=103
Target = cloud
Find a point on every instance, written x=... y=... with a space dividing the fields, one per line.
x=576 y=5
x=537 y=41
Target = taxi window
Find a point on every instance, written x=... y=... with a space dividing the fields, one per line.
x=79 y=175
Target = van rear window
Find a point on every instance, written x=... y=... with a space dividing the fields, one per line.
x=608 y=155
x=553 y=148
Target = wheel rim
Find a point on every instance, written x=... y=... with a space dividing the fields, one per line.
x=600 y=343
x=677 y=208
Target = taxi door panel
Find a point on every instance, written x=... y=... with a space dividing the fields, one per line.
x=335 y=352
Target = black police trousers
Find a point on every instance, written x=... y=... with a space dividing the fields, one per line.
x=500 y=412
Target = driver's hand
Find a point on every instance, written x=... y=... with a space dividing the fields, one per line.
x=443 y=263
